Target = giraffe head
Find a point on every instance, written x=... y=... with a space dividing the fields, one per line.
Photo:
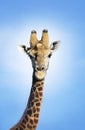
x=39 y=52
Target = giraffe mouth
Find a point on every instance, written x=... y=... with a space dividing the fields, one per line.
x=40 y=74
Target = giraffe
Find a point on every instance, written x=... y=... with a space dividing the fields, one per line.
x=39 y=53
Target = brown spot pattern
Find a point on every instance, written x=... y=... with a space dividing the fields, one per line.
x=41 y=94
x=38 y=104
x=23 y=125
x=26 y=117
x=21 y=128
x=40 y=88
x=38 y=109
x=34 y=109
x=37 y=85
x=36 y=94
x=36 y=115
x=34 y=126
x=42 y=83
x=29 y=126
x=29 y=112
x=31 y=121
x=36 y=121
x=23 y=121
x=36 y=100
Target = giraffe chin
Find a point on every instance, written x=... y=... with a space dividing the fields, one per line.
x=40 y=75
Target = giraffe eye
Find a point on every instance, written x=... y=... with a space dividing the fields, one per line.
x=31 y=56
x=35 y=55
x=50 y=55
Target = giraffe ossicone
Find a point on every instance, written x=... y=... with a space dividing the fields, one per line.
x=39 y=52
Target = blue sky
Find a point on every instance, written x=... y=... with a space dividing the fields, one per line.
x=63 y=106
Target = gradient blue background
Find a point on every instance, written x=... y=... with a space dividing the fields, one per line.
x=63 y=106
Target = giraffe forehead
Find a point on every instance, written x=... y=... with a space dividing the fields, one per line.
x=41 y=50
x=40 y=46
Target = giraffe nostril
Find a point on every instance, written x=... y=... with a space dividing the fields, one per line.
x=39 y=68
x=42 y=68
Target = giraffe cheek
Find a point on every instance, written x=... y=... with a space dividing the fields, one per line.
x=40 y=74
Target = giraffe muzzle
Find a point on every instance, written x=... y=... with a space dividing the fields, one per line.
x=40 y=72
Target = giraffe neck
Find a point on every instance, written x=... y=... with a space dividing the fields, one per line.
x=30 y=117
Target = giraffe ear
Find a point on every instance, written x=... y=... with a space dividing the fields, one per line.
x=54 y=45
x=23 y=49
